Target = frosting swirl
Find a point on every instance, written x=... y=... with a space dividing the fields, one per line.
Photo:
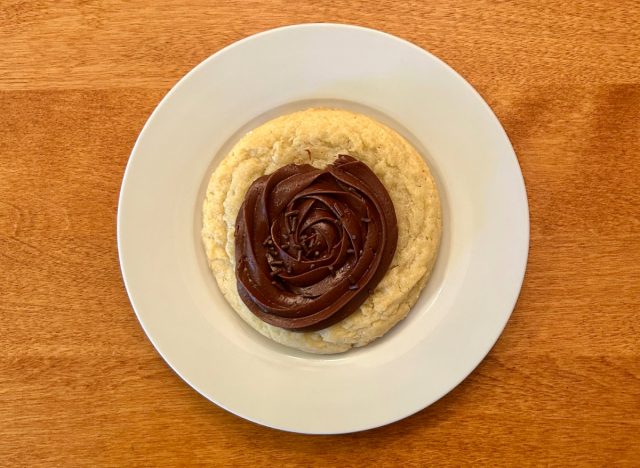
x=312 y=244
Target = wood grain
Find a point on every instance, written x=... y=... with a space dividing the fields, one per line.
x=81 y=385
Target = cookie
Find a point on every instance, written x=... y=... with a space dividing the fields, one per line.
x=317 y=137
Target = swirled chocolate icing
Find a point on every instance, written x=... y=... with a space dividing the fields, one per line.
x=312 y=244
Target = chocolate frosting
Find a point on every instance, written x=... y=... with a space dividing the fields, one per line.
x=312 y=244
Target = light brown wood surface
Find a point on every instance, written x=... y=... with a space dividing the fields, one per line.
x=80 y=384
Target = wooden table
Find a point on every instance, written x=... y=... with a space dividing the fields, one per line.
x=80 y=384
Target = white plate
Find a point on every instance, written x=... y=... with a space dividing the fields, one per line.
x=465 y=305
